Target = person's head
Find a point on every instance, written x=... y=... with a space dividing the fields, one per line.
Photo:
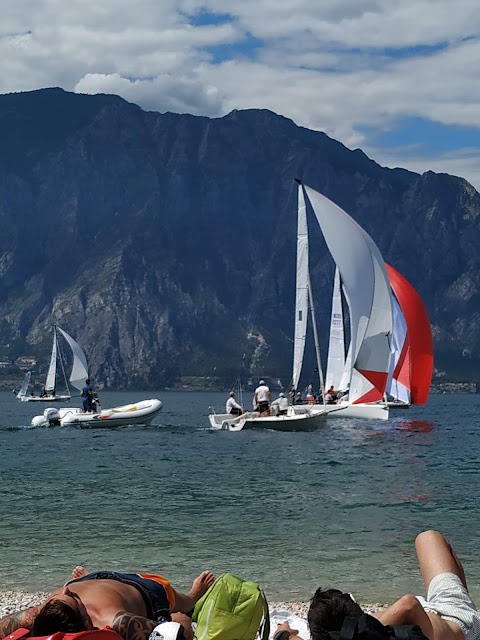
x=281 y=395
x=61 y=612
x=262 y=381
x=328 y=609
x=87 y=380
x=232 y=394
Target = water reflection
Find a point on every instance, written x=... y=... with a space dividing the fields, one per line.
x=415 y=425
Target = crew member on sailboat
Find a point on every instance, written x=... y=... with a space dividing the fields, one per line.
x=232 y=407
x=262 y=398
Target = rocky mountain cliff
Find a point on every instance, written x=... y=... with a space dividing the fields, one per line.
x=165 y=243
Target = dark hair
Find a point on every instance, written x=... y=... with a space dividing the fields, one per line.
x=56 y=615
x=328 y=609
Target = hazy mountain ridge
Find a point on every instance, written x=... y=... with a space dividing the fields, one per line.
x=166 y=243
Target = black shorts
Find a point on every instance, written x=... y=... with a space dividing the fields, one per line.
x=263 y=406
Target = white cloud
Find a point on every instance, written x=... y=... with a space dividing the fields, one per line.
x=326 y=64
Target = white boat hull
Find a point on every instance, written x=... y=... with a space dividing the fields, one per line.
x=393 y=404
x=365 y=411
x=306 y=421
x=45 y=398
x=141 y=412
x=344 y=410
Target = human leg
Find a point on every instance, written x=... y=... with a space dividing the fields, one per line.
x=436 y=556
x=79 y=572
x=186 y=602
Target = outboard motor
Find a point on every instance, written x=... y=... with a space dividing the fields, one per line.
x=52 y=416
x=96 y=408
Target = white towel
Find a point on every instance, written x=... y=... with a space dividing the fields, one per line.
x=277 y=616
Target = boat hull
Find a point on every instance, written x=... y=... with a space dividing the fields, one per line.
x=141 y=412
x=45 y=398
x=307 y=421
x=398 y=405
x=344 y=410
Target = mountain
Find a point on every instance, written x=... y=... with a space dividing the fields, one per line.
x=165 y=243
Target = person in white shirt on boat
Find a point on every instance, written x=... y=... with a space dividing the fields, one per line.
x=281 y=403
x=262 y=398
x=232 y=406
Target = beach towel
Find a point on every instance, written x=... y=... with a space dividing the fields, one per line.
x=277 y=616
x=97 y=634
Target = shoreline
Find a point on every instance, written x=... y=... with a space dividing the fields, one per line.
x=11 y=601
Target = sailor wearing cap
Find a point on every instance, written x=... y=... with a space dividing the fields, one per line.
x=281 y=403
x=262 y=398
x=232 y=406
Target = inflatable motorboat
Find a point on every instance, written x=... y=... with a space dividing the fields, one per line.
x=141 y=412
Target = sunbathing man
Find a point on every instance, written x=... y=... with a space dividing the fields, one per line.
x=447 y=613
x=132 y=604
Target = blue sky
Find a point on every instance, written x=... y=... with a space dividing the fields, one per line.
x=396 y=79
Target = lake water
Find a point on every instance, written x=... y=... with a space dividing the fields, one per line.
x=337 y=507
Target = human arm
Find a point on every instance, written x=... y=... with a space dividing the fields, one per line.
x=133 y=627
x=283 y=629
x=18 y=620
x=407 y=610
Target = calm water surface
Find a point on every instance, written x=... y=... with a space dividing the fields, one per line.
x=338 y=507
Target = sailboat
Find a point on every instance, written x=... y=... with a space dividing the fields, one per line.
x=78 y=374
x=411 y=366
x=312 y=416
x=365 y=284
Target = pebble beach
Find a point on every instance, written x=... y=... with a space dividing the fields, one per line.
x=11 y=601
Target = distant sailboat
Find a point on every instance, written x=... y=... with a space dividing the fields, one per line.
x=78 y=374
x=411 y=367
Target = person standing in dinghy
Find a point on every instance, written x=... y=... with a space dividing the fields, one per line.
x=87 y=397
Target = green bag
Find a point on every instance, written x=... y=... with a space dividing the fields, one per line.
x=232 y=609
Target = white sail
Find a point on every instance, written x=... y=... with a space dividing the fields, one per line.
x=52 y=369
x=24 y=388
x=301 y=298
x=336 y=344
x=80 y=368
x=367 y=288
x=395 y=388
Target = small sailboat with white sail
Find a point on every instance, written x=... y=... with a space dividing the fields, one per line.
x=312 y=416
x=363 y=370
x=78 y=374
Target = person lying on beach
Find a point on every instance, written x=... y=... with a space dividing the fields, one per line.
x=447 y=612
x=130 y=603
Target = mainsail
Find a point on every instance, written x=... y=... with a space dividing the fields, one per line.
x=398 y=384
x=52 y=369
x=79 y=368
x=367 y=290
x=415 y=365
x=336 y=344
x=301 y=297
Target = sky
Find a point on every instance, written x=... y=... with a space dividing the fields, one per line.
x=395 y=78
